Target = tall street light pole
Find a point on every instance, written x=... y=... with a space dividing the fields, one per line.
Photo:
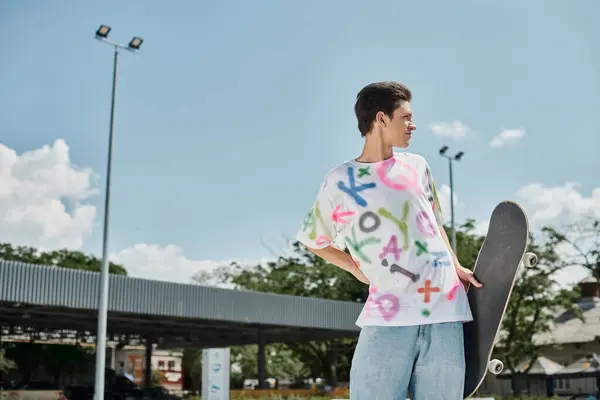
x=133 y=46
x=457 y=157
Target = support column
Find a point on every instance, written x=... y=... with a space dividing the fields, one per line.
x=550 y=386
x=148 y=366
x=262 y=373
x=113 y=356
x=1 y=347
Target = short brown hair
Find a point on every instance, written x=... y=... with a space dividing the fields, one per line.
x=379 y=96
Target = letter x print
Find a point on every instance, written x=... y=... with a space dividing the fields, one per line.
x=427 y=290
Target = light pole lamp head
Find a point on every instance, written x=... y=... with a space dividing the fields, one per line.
x=135 y=43
x=103 y=31
x=443 y=150
x=459 y=155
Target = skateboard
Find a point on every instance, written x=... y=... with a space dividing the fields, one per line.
x=496 y=268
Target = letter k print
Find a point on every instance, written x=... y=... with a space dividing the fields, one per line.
x=354 y=190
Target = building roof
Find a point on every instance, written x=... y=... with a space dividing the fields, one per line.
x=541 y=366
x=568 y=329
x=588 y=365
x=53 y=299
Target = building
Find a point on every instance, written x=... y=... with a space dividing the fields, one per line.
x=166 y=366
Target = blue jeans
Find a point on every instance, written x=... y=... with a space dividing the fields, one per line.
x=426 y=361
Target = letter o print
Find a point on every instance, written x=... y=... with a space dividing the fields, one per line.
x=362 y=222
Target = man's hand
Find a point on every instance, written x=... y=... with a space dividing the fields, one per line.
x=466 y=275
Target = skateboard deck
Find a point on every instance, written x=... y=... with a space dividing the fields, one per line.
x=496 y=268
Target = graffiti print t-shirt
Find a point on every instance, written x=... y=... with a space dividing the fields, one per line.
x=388 y=215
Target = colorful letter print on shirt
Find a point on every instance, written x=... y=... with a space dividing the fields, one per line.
x=387 y=214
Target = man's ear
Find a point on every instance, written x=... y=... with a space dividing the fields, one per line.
x=381 y=119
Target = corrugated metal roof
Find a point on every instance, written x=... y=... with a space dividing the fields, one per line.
x=61 y=287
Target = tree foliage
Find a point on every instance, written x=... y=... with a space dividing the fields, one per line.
x=6 y=364
x=280 y=362
x=61 y=258
x=56 y=359
x=303 y=274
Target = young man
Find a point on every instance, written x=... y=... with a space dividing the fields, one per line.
x=384 y=206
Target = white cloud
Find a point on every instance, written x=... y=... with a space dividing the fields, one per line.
x=556 y=207
x=481 y=227
x=44 y=203
x=164 y=263
x=455 y=129
x=43 y=198
x=167 y=263
x=507 y=137
x=559 y=207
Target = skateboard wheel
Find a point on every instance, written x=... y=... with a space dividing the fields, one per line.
x=495 y=366
x=530 y=259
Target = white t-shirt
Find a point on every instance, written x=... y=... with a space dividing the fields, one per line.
x=388 y=215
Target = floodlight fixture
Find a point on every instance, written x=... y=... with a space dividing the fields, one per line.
x=103 y=31
x=135 y=43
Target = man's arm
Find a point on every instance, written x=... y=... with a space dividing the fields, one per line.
x=341 y=260
x=447 y=241
x=464 y=274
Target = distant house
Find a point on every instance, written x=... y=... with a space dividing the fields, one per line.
x=569 y=361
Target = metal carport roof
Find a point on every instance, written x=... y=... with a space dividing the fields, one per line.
x=50 y=299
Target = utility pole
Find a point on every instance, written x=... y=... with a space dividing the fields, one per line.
x=457 y=157
x=133 y=46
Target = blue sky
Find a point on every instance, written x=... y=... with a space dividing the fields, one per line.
x=233 y=111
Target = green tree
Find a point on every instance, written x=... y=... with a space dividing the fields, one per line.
x=191 y=365
x=280 y=362
x=57 y=359
x=61 y=258
x=6 y=364
x=303 y=274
